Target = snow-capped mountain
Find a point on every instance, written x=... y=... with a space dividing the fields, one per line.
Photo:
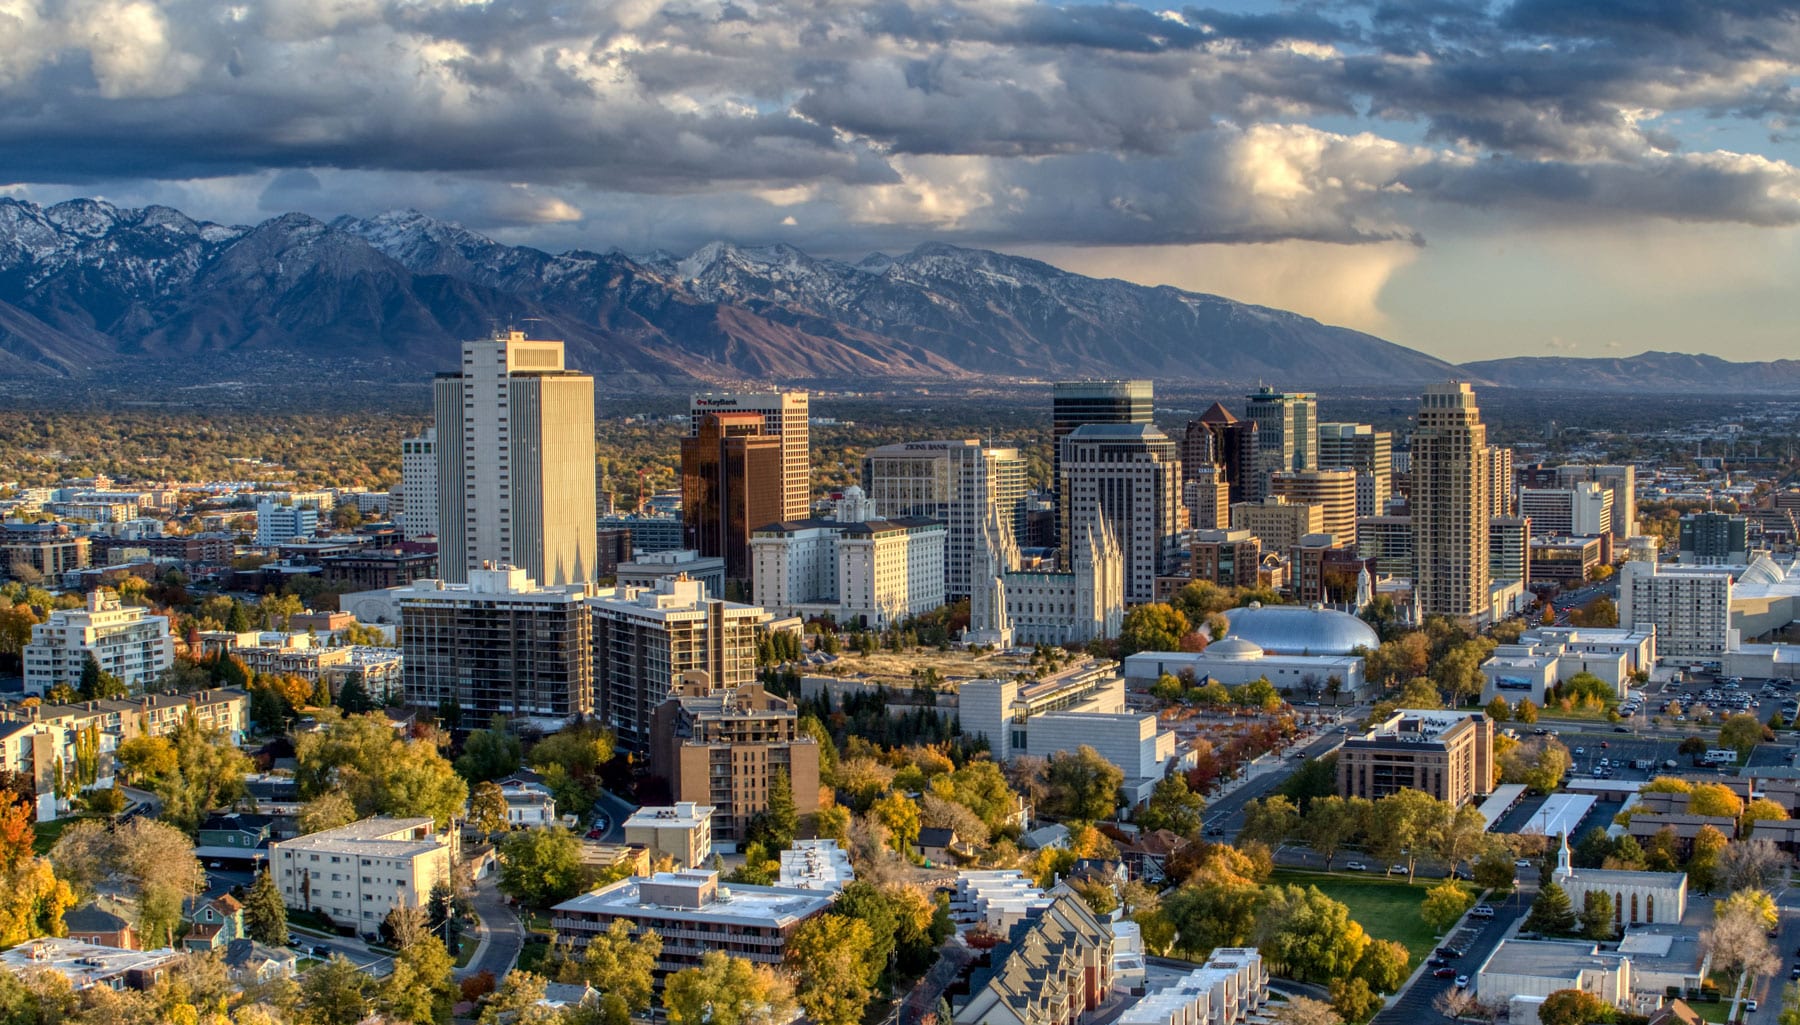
x=84 y=283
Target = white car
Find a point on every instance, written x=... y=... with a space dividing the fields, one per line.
x=1482 y=911
x=1750 y=1004
x=1522 y=863
x=1355 y=866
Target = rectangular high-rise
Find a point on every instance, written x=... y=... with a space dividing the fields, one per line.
x=1075 y=404
x=1450 y=504
x=1287 y=431
x=1218 y=437
x=1125 y=478
x=419 y=485
x=731 y=483
x=954 y=482
x=1368 y=452
x=515 y=461
x=786 y=415
x=1333 y=491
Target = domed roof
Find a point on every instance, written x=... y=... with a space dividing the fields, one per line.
x=1301 y=629
x=1234 y=648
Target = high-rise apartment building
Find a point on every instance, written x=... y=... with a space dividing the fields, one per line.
x=726 y=748
x=1333 y=491
x=1388 y=540
x=1218 y=437
x=1287 y=430
x=1450 y=504
x=127 y=641
x=1509 y=549
x=1126 y=478
x=732 y=477
x=954 y=482
x=515 y=458
x=1368 y=452
x=1503 y=493
x=497 y=644
x=1075 y=404
x=1688 y=606
x=1228 y=558
x=419 y=485
x=645 y=643
x=785 y=415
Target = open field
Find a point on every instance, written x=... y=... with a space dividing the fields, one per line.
x=1388 y=909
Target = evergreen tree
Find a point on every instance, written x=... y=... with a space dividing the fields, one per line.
x=783 y=821
x=239 y=620
x=1552 y=913
x=97 y=683
x=1597 y=916
x=353 y=697
x=265 y=916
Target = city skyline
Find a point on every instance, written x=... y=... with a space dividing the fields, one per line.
x=1466 y=180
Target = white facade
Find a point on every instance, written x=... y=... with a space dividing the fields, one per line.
x=358 y=873
x=1234 y=662
x=1060 y=713
x=127 y=641
x=1232 y=985
x=954 y=482
x=1688 y=607
x=419 y=485
x=1580 y=510
x=1087 y=603
x=279 y=524
x=874 y=573
x=1126 y=479
x=528 y=805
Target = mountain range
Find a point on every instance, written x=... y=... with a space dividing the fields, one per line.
x=87 y=288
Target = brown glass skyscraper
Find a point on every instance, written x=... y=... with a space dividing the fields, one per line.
x=731 y=484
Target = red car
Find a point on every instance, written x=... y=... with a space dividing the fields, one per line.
x=1444 y=973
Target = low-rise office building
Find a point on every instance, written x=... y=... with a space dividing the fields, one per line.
x=682 y=832
x=1447 y=754
x=644 y=571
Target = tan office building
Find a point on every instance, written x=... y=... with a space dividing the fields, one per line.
x=785 y=415
x=1449 y=755
x=1333 y=491
x=1278 y=523
x=1451 y=505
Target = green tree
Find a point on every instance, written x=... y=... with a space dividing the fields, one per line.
x=724 y=990
x=1383 y=965
x=1332 y=822
x=828 y=956
x=1173 y=806
x=1444 y=904
x=1083 y=785
x=329 y=810
x=490 y=753
x=519 y=1001
x=1353 y=999
x=1597 y=915
x=1271 y=820
x=901 y=816
x=380 y=773
x=98 y=684
x=619 y=962
x=1574 y=1007
x=1526 y=711
x=1495 y=870
x=781 y=820
x=1309 y=935
x=335 y=993
x=1404 y=823
x=1498 y=710
x=1315 y=778
x=1741 y=733
x=265 y=914
x=488 y=810
x=1152 y=627
x=1551 y=913
x=353 y=696
x=209 y=774
x=540 y=866
x=420 y=988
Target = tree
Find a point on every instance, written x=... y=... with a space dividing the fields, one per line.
x=420 y=988
x=1173 y=806
x=1315 y=778
x=519 y=1001
x=1084 y=785
x=1573 y=1007
x=1761 y=810
x=1498 y=710
x=487 y=808
x=1737 y=942
x=490 y=753
x=1311 y=936
x=1331 y=823
x=1353 y=999
x=265 y=915
x=209 y=773
x=1703 y=864
x=1551 y=913
x=1526 y=711
x=1494 y=869
x=379 y=772
x=1597 y=915
x=1404 y=822
x=1457 y=833
x=781 y=821
x=1271 y=820
x=1420 y=692
x=335 y=993
x=619 y=962
x=1383 y=965
x=901 y=817
x=724 y=990
x=1714 y=799
x=1741 y=733
x=353 y=696
x=1152 y=627
x=540 y=866
x=828 y=956
x=1756 y=904
x=98 y=684
x=1444 y=904
x=329 y=810
x=1751 y=864
x=143 y=860
x=1306 y=1011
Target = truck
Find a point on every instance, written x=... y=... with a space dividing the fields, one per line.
x=1719 y=756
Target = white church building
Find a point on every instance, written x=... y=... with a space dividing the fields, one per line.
x=1639 y=898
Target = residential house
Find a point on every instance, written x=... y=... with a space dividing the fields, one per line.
x=936 y=845
x=104 y=922
x=214 y=923
x=249 y=962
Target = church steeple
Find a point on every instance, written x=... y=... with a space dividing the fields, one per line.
x=1563 y=868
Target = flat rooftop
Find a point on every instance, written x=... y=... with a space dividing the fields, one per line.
x=1549 y=959
x=759 y=906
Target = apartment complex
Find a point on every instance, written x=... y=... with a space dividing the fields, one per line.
x=1450 y=505
x=515 y=462
x=1054 y=970
x=682 y=832
x=645 y=643
x=1333 y=491
x=498 y=645
x=731 y=483
x=693 y=915
x=357 y=874
x=954 y=483
x=725 y=747
x=1449 y=755
x=783 y=415
x=419 y=485
x=1125 y=478
x=127 y=641
x=1689 y=607
x=1228 y=558
x=1369 y=454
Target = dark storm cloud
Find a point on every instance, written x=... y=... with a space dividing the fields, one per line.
x=1019 y=121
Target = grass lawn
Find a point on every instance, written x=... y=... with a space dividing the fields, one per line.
x=48 y=832
x=1387 y=909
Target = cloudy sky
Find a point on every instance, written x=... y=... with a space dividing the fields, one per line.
x=1587 y=177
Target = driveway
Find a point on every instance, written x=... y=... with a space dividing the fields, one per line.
x=501 y=933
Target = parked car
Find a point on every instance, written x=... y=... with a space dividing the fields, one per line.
x=1444 y=973
x=1355 y=866
x=1462 y=982
x=1522 y=863
x=1449 y=952
x=1482 y=911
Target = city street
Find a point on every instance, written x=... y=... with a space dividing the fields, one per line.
x=1476 y=939
x=501 y=933
x=1225 y=814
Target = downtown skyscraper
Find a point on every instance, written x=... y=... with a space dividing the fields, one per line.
x=786 y=415
x=515 y=458
x=1451 y=505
